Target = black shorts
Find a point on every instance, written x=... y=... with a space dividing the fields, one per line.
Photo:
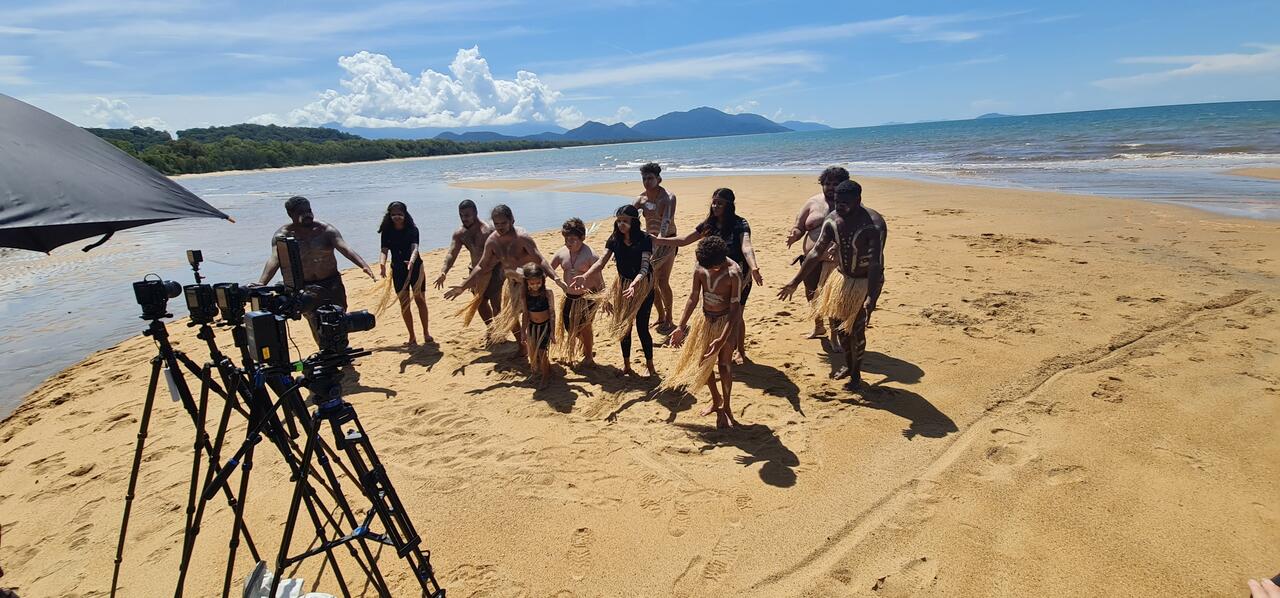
x=540 y=332
x=400 y=276
x=567 y=308
x=746 y=292
x=329 y=291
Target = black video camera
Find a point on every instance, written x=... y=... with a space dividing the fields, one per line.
x=283 y=301
x=154 y=296
x=268 y=338
x=201 y=302
x=231 y=297
x=333 y=325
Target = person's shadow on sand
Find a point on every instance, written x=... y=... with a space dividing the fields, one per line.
x=423 y=356
x=351 y=384
x=925 y=419
x=760 y=443
x=892 y=368
x=772 y=381
x=560 y=394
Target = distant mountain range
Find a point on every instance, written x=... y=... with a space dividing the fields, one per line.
x=699 y=122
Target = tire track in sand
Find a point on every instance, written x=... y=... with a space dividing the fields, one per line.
x=844 y=540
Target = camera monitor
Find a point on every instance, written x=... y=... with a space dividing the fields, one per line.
x=289 y=254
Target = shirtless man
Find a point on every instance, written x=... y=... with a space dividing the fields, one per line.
x=317 y=241
x=472 y=235
x=809 y=225
x=859 y=243
x=659 y=210
x=509 y=248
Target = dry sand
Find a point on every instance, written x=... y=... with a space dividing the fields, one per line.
x=1258 y=173
x=1069 y=396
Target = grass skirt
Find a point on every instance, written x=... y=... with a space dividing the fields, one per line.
x=581 y=314
x=663 y=254
x=692 y=371
x=841 y=298
x=508 y=317
x=622 y=311
x=534 y=336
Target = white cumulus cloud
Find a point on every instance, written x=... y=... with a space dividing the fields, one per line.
x=116 y=114
x=377 y=93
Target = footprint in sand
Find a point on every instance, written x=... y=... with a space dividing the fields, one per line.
x=741 y=508
x=679 y=520
x=1067 y=474
x=1007 y=451
x=579 y=554
x=1110 y=390
x=912 y=577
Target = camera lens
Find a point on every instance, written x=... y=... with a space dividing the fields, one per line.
x=172 y=289
x=359 y=321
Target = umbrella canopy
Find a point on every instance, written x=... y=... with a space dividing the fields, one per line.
x=60 y=183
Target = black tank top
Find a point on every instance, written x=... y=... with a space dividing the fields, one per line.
x=537 y=302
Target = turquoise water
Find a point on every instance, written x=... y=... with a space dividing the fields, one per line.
x=55 y=311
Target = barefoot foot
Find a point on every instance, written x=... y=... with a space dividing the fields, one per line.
x=840 y=374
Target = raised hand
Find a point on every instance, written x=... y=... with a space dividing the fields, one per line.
x=787 y=291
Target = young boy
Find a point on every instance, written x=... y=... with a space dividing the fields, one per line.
x=579 y=310
x=717 y=282
x=539 y=320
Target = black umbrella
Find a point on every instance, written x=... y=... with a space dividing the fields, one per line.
x=60 y=183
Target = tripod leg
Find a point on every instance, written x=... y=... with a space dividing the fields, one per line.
x=133 y=473
x=246 y=468
x=386 y=502
x=192 y=528
x=302 y=489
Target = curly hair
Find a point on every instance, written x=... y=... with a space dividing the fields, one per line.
x=575 y=227
x=834 y=174
x=652 y=168
x=711 y=251
x=295 y=203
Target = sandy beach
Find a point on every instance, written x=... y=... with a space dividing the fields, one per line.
x=1068 y=395
x=1271 y=174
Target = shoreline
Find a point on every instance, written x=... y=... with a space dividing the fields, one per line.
x=1013 y=323
x=1269 y=173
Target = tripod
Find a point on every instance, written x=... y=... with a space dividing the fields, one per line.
x=170 y=362
x=264 y=420
x=323 y=378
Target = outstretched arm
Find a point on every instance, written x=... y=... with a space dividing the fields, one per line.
x=681 y=241
x=695 y=294
x=487 y=260
x=825 y=239
x=749 y=252
x=580 y=281
x=797 y=230
x=340 y=244
x=455 y=246
x=531 y=246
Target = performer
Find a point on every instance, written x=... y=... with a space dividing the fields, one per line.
x=472 y=235
x=723 y=221
x=808 y=225
x=844 y=298
x=659 y=209
x=400 y=240
x=317 y=241
x=509 y=247
x=709 y=344
x=630 y=298
x=538 y=321
x=579 y=311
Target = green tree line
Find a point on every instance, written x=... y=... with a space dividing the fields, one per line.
x=186 y=156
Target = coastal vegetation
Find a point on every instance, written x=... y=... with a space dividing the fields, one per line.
x=223 y=148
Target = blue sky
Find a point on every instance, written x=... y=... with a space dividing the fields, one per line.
x=180 y=63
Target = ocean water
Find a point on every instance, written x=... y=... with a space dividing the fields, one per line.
x=55 y=310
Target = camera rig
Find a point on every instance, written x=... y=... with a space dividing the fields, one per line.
x=260 y=332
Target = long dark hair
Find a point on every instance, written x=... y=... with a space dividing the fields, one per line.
x=730 y=219
x=631 y=212
x=386 y=218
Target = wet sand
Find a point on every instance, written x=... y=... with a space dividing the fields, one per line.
x=1068 y=396
x=1272 y=174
